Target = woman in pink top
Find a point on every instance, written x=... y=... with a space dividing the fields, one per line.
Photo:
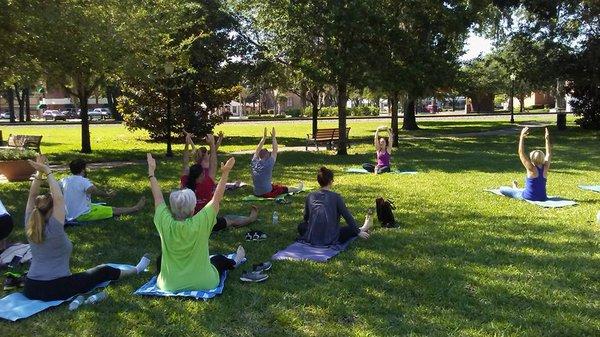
x=383 y=147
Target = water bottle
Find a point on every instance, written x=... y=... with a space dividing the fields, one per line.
x=76 y=302
x=275 y=218
x=96 y=298
x=598 y=217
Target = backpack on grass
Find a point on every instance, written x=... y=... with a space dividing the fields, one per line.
x=385 y=213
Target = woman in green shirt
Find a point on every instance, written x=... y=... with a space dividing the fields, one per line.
x=186 y=263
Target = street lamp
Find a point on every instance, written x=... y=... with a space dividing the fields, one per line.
x=169 y=68
x=512 y=94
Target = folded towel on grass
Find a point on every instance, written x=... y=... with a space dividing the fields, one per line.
x=303 y=251
x=594 y=188
x=551 y=202
x=151 y=289
x=16 y=306
x=363 y=171
x=277 y=198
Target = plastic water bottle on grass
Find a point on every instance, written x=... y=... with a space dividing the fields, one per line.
x=96 y=298
x=598 y=218
x=76 y=302
x=275 y=218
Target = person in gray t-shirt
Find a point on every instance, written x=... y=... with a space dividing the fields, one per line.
x=49 y=277
x=322 y=212
x=262 y=165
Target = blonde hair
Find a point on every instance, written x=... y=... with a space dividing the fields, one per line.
x=537 y=157
x=37 y=219
x=183 y=203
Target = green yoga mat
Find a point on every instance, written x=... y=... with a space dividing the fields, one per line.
x=363 y=171
x=279 y=197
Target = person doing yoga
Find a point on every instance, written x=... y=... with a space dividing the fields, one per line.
x=200 y=178
x=185 y=262
x=49 y=277
x=6 y=226
x=537 y=166
x=262 y=165
x=322 y=212
x=78 y=191
x=383 y=150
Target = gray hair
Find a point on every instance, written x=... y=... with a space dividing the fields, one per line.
x=183 y=203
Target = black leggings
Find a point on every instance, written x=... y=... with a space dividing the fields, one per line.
x=221 y=262
x=6 y=226
x=346 y=233
x=371 y=168
x=66 y=287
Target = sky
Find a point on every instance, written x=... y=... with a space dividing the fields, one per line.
x=476 y=45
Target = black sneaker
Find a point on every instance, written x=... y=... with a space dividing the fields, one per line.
x=261 y=267
x=253 y=276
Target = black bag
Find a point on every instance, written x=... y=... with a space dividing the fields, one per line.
x=384 y=212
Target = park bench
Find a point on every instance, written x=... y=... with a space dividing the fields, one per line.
x=329 y=137
x=22 y=142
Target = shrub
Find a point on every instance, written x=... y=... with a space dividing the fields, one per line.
x=534 y=107
x=16 y=154
x=294 y=113
x=364 y=110
x=266 y=116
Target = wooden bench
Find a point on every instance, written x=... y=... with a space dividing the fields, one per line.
x=24 y=142
x=329 y=137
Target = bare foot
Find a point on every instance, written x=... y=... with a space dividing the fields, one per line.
x=368 y=221
x=240 y=255
x=253 y=213
x=515 y=184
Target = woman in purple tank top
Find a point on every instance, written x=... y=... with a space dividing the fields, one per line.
x=383 y=148
x=537 y=165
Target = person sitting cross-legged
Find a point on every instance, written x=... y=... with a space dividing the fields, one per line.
x=200 y=178
x=185 y=263
x=262 y=165
x=537 y=166
x=322 y=212
x=78 y=191
x=49 y=277
x=383 y=151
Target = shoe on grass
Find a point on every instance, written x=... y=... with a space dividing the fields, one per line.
x=262 y=267
x=253 y=276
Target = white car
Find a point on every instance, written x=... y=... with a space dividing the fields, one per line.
x=99 y=113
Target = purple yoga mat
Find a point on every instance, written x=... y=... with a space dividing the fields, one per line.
x=304 y=251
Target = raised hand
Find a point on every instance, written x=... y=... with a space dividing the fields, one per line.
x=40 y=164
x=226 y=168
x=265 y=134
x=547 y=133
x=151 y=164
x=273 y=133
x=210 y=139
x=525 y=132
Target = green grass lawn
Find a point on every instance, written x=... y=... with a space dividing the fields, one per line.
x=464 y=262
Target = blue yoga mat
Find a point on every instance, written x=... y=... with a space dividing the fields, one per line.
x=16 y=306
x=304 y=251
x=151 y=289
x=363 y=171
x=594 y=188
x=551 y=202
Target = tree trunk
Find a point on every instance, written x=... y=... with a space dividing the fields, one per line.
x=483 y=102
x=86 y=146
x=394 y=115
x=409 y=121
x=26 y=92
x=315 y=113
x=10 y=98
x=111 y=96
x=20 y=101
x=341 y=103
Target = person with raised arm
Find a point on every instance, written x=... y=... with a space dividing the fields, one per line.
x=185 y=263
x=49 y=277
x=537 y=165
x=383 y=151
x=262 y=165
x=200 y=178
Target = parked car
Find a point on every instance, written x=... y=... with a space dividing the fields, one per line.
x=103 y=112
x=70 y=113
x=5 y=115
x=54 y=115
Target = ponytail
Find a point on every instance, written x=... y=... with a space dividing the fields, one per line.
x=35 y=226
x=37 y=219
